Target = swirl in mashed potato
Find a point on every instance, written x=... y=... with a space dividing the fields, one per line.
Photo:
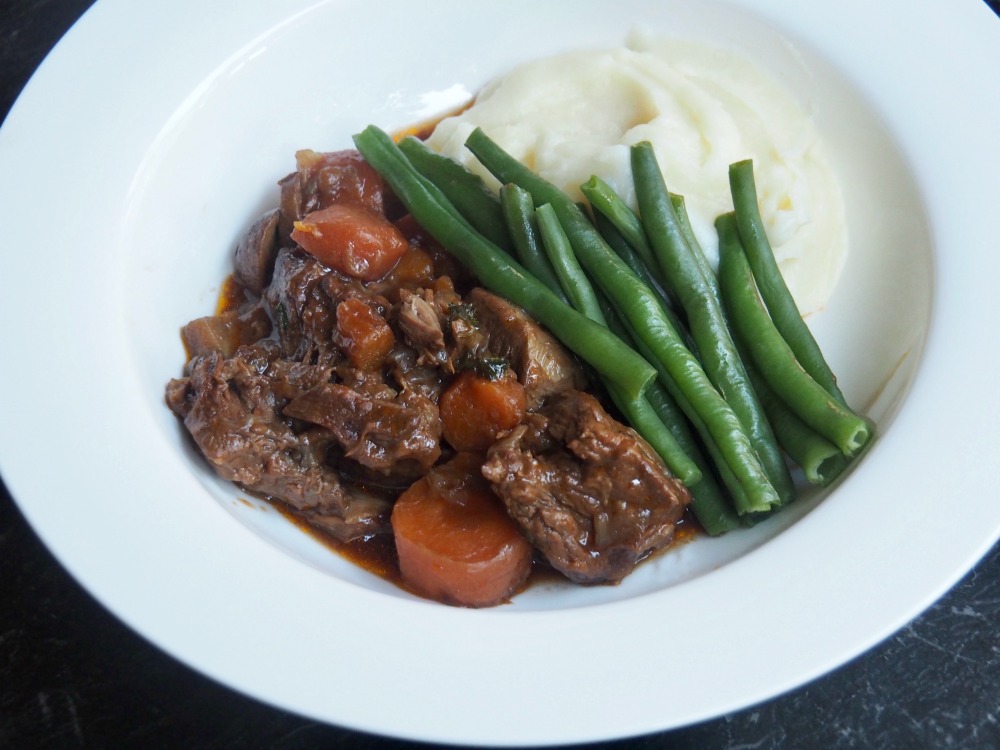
x=574 y=115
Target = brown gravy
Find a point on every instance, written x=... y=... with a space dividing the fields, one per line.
x=377 y=554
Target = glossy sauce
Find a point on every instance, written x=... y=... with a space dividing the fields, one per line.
x=231 y=295
x=377 y=554
x=423 y=130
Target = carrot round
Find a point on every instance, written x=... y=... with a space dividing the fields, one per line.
x=455 y=542
x=476 y=410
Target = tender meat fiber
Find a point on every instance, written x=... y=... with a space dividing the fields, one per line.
x=304 y=315
x=302 y=301
x=588 y=492
x=467 y=341
x=419 y=321
x=399 y=436
x=542 y=364
x=427 y=380
x=232 y=408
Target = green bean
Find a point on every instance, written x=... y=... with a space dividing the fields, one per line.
x=519 y=213
x=597 y=346
x=638 y=411
x=708 y=500
x=624 y=250
x=820 y=460
x=607 y=203
x=643 y=312
x=772 y=355
x=706 y=320
x=571 y=276
x=687 y=231
x=463 y=188
x=741 y=501
x=771 y=284
x=709 y=503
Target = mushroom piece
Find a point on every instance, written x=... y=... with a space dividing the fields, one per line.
x=256 y=252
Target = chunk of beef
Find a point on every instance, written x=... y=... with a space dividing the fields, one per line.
x=364 y=515
x=467 y=341
x=232 y=408
x=542 y=364
x=255 y=253
x=427 y=380
x=302 y=301
x=304 y=316
x=398 y=437
x=225 y=332
x=588 y=492
x=421 y=325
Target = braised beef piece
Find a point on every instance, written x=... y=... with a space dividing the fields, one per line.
x=420 y=322
x=233 y=409
x=397 y=436
x=588 y=492
x=365 y=514
x=303 y=314
x=542 y=365
x=407 y=375
x=302 y=301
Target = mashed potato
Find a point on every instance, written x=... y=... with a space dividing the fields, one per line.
x=574 y=115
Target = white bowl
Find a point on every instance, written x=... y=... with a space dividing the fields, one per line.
x=156 y=134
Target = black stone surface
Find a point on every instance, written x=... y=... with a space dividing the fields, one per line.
x=73 y=676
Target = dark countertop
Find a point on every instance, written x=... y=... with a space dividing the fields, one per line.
x=73 y=676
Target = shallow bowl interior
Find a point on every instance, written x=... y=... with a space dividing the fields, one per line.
x=214 y=168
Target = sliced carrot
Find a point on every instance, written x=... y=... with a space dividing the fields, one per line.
x=364 y=334
x=414 y=270
x=455 y=542
x=445 y=263
x=351 y=239
x=476 y=410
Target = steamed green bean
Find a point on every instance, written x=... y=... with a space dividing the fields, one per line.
x=773 y=357
x=705 y=318
x=773 y=290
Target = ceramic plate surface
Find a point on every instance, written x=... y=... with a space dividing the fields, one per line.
x=155 y=134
